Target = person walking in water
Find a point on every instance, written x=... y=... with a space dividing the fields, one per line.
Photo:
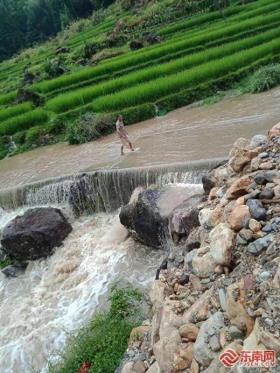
x=123 y=135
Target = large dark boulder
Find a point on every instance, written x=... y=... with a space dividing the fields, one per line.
x=35 y=234
x=143 y=219
x=148 y=214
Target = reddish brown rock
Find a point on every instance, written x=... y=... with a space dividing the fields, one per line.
x=189 y=331
x=239 y=217
x=275 y=131
x=235 y=309
x=239 y=188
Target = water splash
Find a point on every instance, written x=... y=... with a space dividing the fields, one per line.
x=103 y=190
x=58 y=295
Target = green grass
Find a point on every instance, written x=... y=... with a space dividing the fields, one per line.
x=23 y=121
x=153 y=90
x=15 y=110
x=103 y=342
x=262 y=80
x=81 y=97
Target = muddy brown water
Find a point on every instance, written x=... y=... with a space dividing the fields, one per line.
x=185 y=134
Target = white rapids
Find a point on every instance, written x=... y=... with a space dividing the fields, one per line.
x=56 y=296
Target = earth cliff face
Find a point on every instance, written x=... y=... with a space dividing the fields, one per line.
x=220 y=285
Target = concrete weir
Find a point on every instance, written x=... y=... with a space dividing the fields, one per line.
x=102 y=190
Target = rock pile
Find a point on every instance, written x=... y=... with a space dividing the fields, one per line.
x=220 y=287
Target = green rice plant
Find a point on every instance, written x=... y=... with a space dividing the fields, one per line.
x=240 y=12
x=152 y=53
x=15 y=110
x=8 y=98
x=153 y=90
x=268 y=9
x=84 y=96
x=23 y=121
x=163 y=59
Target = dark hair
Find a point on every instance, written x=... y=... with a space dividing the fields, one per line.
x=119 y=117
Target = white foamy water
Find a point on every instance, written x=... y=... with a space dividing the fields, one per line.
x=58 y=295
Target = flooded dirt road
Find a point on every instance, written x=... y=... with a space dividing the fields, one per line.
x=185 y=134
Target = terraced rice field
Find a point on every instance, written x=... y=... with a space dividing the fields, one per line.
x=196 y=57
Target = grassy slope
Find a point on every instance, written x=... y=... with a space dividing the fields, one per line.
x=197 y=56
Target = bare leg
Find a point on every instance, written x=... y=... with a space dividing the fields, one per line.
x=131 y=147
x=122 y=150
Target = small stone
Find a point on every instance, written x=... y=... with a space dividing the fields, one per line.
x=222 y=298
x=267 y=193
x=269 y=322
x=265 y=275
x=184 y=279
x=154 y=368
x=274 y=131
x=253 y=195
x=128 y=367
x=260 y=244
x=246 y=234
x=240 y=240
x=189 y=331
x=139 y=367
x=258 y=141
x=270 y=185
x=263 y=155
x=238 y=188
x=268 y=165
x=205 y=281
x=203 y=263
x=256 y=209
x=214 y=343
x=268 y=228
x=254 y=225
x=260 y=179
x=234 y=332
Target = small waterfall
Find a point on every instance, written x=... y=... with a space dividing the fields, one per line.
x=102 y=190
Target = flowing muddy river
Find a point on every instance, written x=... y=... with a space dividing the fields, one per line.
x=58 y=295
x=182 y=135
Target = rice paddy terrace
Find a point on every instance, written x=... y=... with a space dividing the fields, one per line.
x=197 y=57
